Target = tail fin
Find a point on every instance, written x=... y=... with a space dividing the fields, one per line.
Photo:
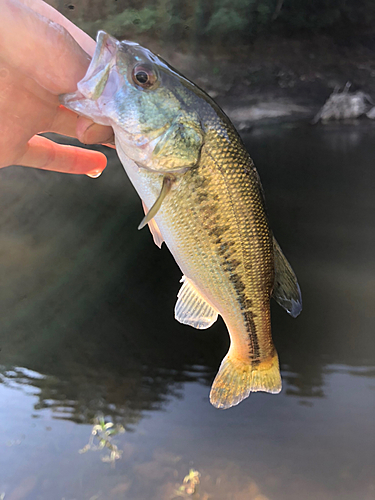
x=236 y=379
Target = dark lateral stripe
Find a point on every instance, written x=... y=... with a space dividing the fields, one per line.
x=248 y=315
x=253 y=337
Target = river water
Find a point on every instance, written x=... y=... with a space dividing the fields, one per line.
x=87 y=329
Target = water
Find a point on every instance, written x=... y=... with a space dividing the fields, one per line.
x=87 y=328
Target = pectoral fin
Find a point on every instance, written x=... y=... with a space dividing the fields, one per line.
x=192 y=309
x=155 y=231
x=167 y=184
x=286 y=290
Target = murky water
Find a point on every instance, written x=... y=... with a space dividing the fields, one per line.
x=87 y=328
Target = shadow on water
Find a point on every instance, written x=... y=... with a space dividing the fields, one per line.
x=87 y=327
x=88 y=301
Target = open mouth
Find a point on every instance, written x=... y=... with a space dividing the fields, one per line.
x=101 y=80
x=94 y=82
x=92 y=85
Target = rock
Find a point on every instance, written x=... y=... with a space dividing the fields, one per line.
x=343 y=106
x=371 y=113
x=245 y=116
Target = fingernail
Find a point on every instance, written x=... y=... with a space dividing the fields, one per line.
x=84 y=135
x=94 y=174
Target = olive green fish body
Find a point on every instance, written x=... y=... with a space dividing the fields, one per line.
x=214 y=223
x=205 y=201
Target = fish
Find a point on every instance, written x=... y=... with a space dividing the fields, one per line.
x=203 y=197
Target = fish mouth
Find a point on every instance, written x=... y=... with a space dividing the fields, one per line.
x=100 y=79
x=102 y=62
x=93 y=83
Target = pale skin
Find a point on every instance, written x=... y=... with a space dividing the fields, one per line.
x=42 y=55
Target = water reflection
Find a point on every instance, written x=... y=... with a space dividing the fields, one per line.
x=87 y=327
x=71 y=306
x=123 y=397
x=88 y=301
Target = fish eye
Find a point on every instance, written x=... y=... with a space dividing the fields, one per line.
x=144 y=76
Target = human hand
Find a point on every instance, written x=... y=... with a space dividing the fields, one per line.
x=42 y=55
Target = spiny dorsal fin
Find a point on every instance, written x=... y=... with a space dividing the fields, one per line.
x=155 y=231
x=166 y=187
x=286 y=290
x=192 y=309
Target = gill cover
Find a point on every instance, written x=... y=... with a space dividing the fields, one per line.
x=179 y=147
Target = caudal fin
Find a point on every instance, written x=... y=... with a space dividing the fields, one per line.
x=236 y=379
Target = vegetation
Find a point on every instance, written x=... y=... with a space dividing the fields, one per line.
x=189 y=484
x=103 y=432
x=224 y=20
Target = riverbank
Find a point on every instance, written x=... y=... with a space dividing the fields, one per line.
x=275 y=78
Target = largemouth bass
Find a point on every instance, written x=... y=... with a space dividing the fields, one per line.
x=202 y=196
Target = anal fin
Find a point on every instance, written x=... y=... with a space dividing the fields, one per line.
x=286 y=290
x=192 y=309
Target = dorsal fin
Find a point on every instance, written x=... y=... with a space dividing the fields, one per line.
x=192 y=309
x=153 y=227
x=286 y=290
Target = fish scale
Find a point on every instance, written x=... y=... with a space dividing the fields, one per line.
x=203 y=197
x=246 y=235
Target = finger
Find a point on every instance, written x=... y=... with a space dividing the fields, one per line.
x=23 y=100
x=40 y=48
x=89 y=132
x=82 y=38
x=64 y=122
x=47 y=155
x=67 y=122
